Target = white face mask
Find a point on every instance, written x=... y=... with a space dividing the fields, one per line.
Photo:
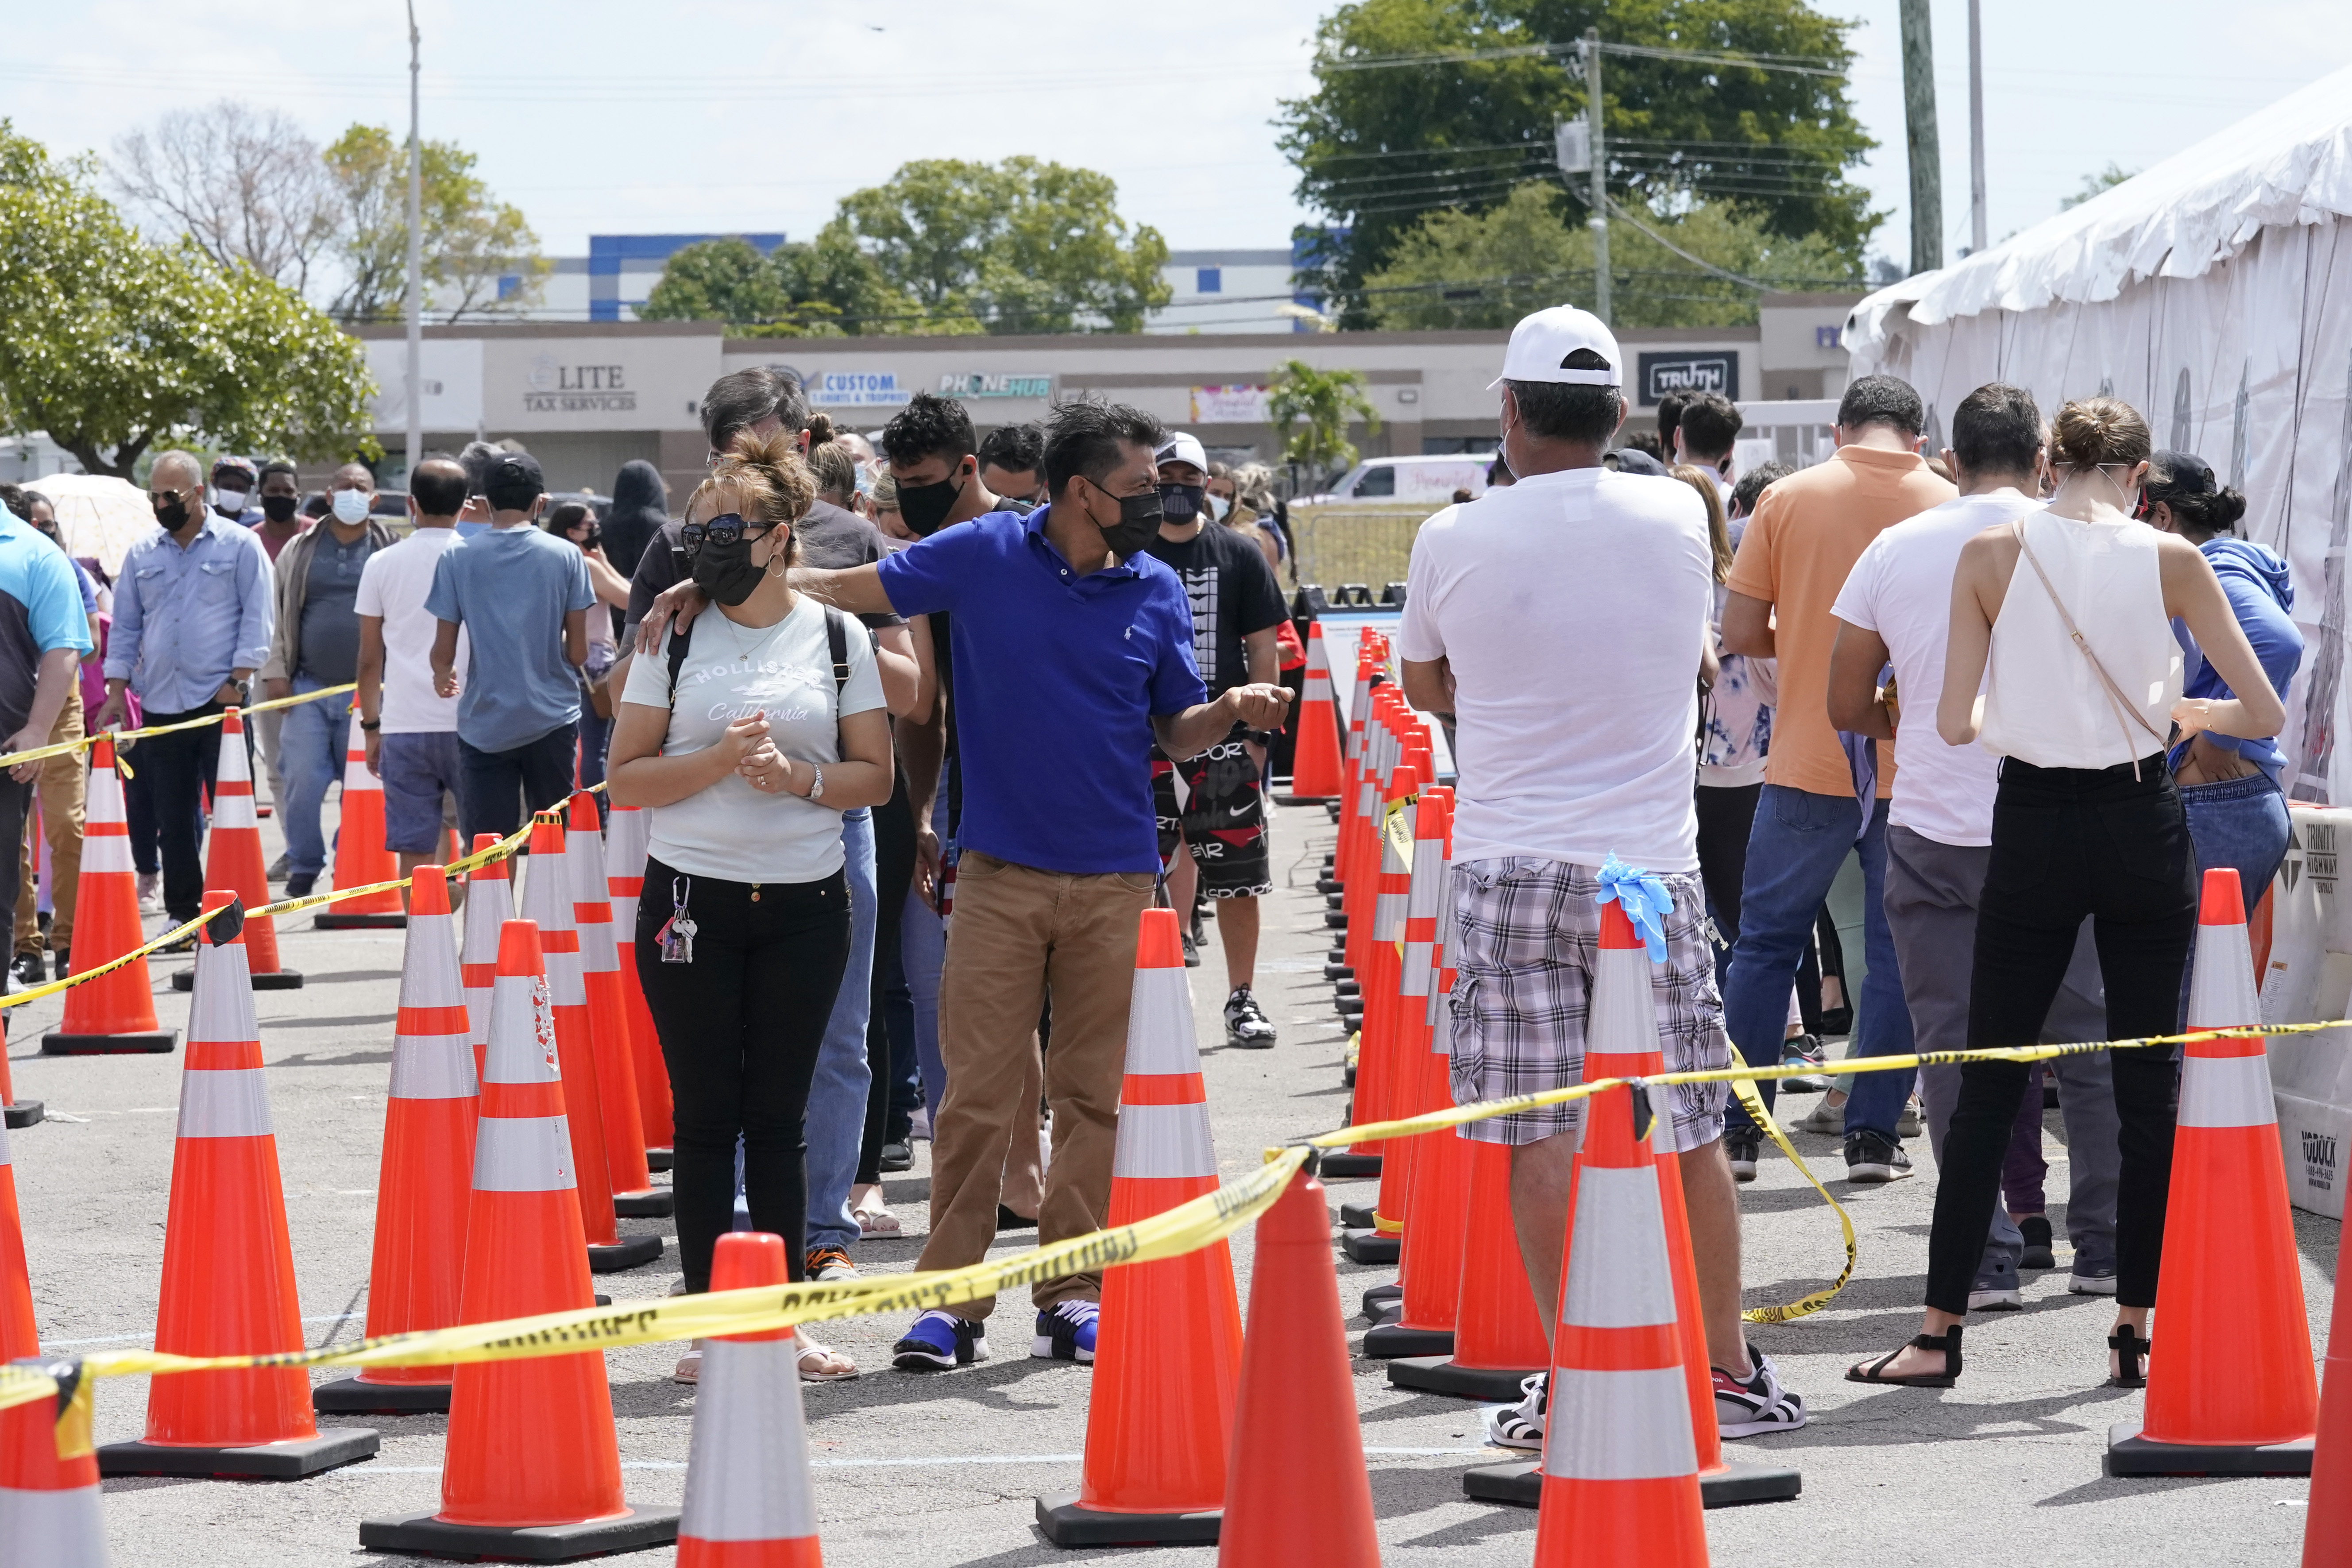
x=1218 y=506
x=351 y=507
x=230 y=502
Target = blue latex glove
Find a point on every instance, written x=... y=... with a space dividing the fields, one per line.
x=1644 y=899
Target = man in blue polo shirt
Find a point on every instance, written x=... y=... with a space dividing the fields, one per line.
x=43 y=636
x=1060 y=617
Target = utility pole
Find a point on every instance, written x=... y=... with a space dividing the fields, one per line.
x=1600 y=176
x=416 y=311
x=1919 y=126
x=1977 y=240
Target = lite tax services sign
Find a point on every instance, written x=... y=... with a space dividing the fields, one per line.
x=1681 y=372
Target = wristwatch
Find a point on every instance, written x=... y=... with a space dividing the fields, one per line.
x=816 y=788
x=244 y=689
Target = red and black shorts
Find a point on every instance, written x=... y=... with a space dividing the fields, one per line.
x=1215 y=805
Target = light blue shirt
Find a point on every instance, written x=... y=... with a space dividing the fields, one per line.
x=510 y=589
x=186 y=617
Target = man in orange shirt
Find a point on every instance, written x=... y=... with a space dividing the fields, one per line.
x=1808 y=531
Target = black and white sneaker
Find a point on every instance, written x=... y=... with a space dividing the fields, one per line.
x=1740 y=1146
x=939 y=1340
x=1997 y=1287
x=1757 y=1405
x=1520 y=1426
x=1870 y=1158
x=1065 y=1332
x=1246 y=1021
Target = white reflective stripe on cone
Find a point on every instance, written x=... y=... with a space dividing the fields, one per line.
x=567 y=979
x=433 y=1066
x=523 y=1155
x=1618 y=1277
x=1163 y=1140
x=220 y=1008
x=521 y=1047
x=103 y=801
x=1415 y=974
x=430 y=976
x=106 y=852
x=58 y=1529
x=2222 y=986
x=234 y=810
x=747 y=1468
x=230 y=1102
x=2227 y=1091
x=1619 y=1425
x=1388 y=915
x=1159 y=1025
x=1318 y=687
x=1625 y=1014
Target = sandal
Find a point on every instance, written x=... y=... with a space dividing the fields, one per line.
x=832 y=1364
x=874 y=1216
x=2131 y=1355
x=1949 y=1342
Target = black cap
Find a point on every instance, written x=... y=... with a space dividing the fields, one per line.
x=1633 y=460
x=512 y=470
x=2183 y=473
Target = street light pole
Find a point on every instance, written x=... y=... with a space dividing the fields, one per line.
x=1600 y=176
x=416 y=311
x=1976 y=238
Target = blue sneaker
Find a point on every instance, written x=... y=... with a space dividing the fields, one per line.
x=939 y=1340
x=1065 y=1332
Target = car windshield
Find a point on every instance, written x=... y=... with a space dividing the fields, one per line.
x=1380 y=481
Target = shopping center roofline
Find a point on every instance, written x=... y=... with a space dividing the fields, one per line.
x=1194 y=341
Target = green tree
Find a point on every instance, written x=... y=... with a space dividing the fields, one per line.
x=1377 y=147
x=472 y=240
x=2107 y=179
x=115 y=347
x=1473 y=269
x=1313 y=408
x=823 y=289
x=1017 y=246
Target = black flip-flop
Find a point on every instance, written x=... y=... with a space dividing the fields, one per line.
x=1949 y=1342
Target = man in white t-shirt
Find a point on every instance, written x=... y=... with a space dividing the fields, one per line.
x=411 y=729
x=1564 y=622
x=1896 y=609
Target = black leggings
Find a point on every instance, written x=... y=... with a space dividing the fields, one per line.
x=893 y=873
x=2070 y=844
x=1725 y=816
x=741 y=1028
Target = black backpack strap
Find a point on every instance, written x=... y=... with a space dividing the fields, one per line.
x=836 y=640
x=680 y=640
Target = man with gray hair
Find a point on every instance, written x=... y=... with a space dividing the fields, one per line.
x=191 y=623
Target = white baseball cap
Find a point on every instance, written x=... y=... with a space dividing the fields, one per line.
x=1182 y=447
x=1541 y=343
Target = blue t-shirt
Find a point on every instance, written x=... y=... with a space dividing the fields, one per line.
x=510 y=589
x=1057 y=678
x=40 y=611
x=2255 y=580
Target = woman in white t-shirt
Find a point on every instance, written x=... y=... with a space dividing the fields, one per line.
x=775 y=727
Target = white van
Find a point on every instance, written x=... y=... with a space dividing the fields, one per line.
x=1431 y=479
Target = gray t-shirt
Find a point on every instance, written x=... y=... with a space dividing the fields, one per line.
x=331 y=624
x=510 y=589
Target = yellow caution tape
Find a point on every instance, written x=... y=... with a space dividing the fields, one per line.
x=1804 y=1306
x=62 y=748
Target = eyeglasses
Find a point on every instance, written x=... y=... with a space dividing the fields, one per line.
x=727 y=528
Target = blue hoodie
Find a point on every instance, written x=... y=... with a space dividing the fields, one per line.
x=2255 y=579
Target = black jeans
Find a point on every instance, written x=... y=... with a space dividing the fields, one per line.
x=1726 y=817
x=2070 y=844
x=496 y=788
x=893 y=873
x=739 y=1028
x=179 y=769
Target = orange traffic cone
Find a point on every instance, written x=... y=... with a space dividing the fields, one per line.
x=1376 y=1065
x=115 y=1012
x=427 y=1179
x=1399 y=1032
x=2234 y=1392
x=1352 y=758
x=1159 y=1425
x=547 y=901
x=626 y=834
x=634 y=1192
x=48 y=1505
x=2327 y=1528
x=748 y=1499
x=1315 y=757
x=490 y=904
x=532 y=1466
x=228 y=1267
x=1300 y=1497
x=1498 y=1337
x=233 y=860
x=361 y=856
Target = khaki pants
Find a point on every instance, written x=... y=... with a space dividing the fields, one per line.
x=60 y=784
x=1016 y=931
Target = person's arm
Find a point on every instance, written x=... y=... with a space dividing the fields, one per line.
x=1959 y=706
x=638 y=774
x=1856 y=660
x=370 y=683
x=1196 y=729
x=92 y=655
x=922 y=747
x=444 y=658
x=60 y=672
x=2192 y=593
x=1429 y=685
x=1748 y=627
x=257 y=618
x=611 y=588
x=575 y=638
x=278 y=669
x=1264 y=656
x=902 y=676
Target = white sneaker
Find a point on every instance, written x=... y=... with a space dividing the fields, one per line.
x=1520 y=1426
x=1822 y=1117
x=151 y=892
x=1908 y=1124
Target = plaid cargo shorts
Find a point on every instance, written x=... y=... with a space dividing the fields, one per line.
x=1525 y=936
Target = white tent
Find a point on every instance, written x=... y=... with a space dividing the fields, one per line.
x=2214 y=294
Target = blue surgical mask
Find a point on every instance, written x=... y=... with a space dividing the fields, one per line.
x=351 y=507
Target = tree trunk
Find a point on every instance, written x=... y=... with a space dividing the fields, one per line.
x=1919 y=129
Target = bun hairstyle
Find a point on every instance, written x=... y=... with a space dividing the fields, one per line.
x=2182 y=482
x=2098 y=431
x=770 y=482
x=820 y=429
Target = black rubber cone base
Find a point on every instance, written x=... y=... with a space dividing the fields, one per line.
x=24 y=1112
x=657 y=1159
x=633 y=1252
x=1356 y=1217
x=276 y=980
x=1438 y=1374
x=331 y=1449
x=154 y=1042
x=1337 y=971
x=355 y=1396
x=654 y=1202
x=1066 y=1523
x=1370 y=1247
x=1343 y=1165
x=636 y=1531
x=1389 y=1340
x=1383 y=1300
x=1334 y=920
x=2130 y=1454
x=1739 y=1482
x=327 y=920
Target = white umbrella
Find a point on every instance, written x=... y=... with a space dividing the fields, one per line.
x=97 y=515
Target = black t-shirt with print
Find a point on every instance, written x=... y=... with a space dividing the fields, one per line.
x=1233 y=594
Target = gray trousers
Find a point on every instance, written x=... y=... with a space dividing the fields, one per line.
x=267 y=728
x=1932 y=890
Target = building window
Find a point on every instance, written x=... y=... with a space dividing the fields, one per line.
x=509 y=286
x=1208 y=281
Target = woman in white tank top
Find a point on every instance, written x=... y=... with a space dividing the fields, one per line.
x=2062 y=621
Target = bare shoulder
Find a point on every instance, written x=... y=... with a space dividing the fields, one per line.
x=1991 y=548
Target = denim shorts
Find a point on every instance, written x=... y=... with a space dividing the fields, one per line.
x=417 y=765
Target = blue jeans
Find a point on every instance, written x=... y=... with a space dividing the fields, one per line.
x=837 y=1104
x=922 y=953
x=313 y=741
x=1794 y=851
x=2241 y=823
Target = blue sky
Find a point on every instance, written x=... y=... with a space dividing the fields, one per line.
x=696 y=115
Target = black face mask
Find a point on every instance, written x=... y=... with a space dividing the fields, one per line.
x=279 y=508
x=172 y=512
x=1183 y=503
x=923 y=508
x=1139 y=521
x=725 y=572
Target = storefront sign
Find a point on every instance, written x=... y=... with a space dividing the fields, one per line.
x=856 y=389
x=1685 y=371
x=1231 y=405
x=980 y=384
x=557 y=387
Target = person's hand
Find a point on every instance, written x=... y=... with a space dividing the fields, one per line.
x=24 y=740
x=680 y=601
x=2193 y=714
x=111 y=713
x=769 y=770
x=929 y=863
x=228 y=696
x=1261 y=707
x=445 y=685
x=373 y=741
x=277 y=689
x=742 y=738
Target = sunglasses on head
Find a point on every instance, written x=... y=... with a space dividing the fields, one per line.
x=727 y=528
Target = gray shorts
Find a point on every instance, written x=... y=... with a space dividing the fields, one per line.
x=1527 y=932
x=417 y=768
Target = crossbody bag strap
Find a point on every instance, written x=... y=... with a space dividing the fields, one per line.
x=2115 y=694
